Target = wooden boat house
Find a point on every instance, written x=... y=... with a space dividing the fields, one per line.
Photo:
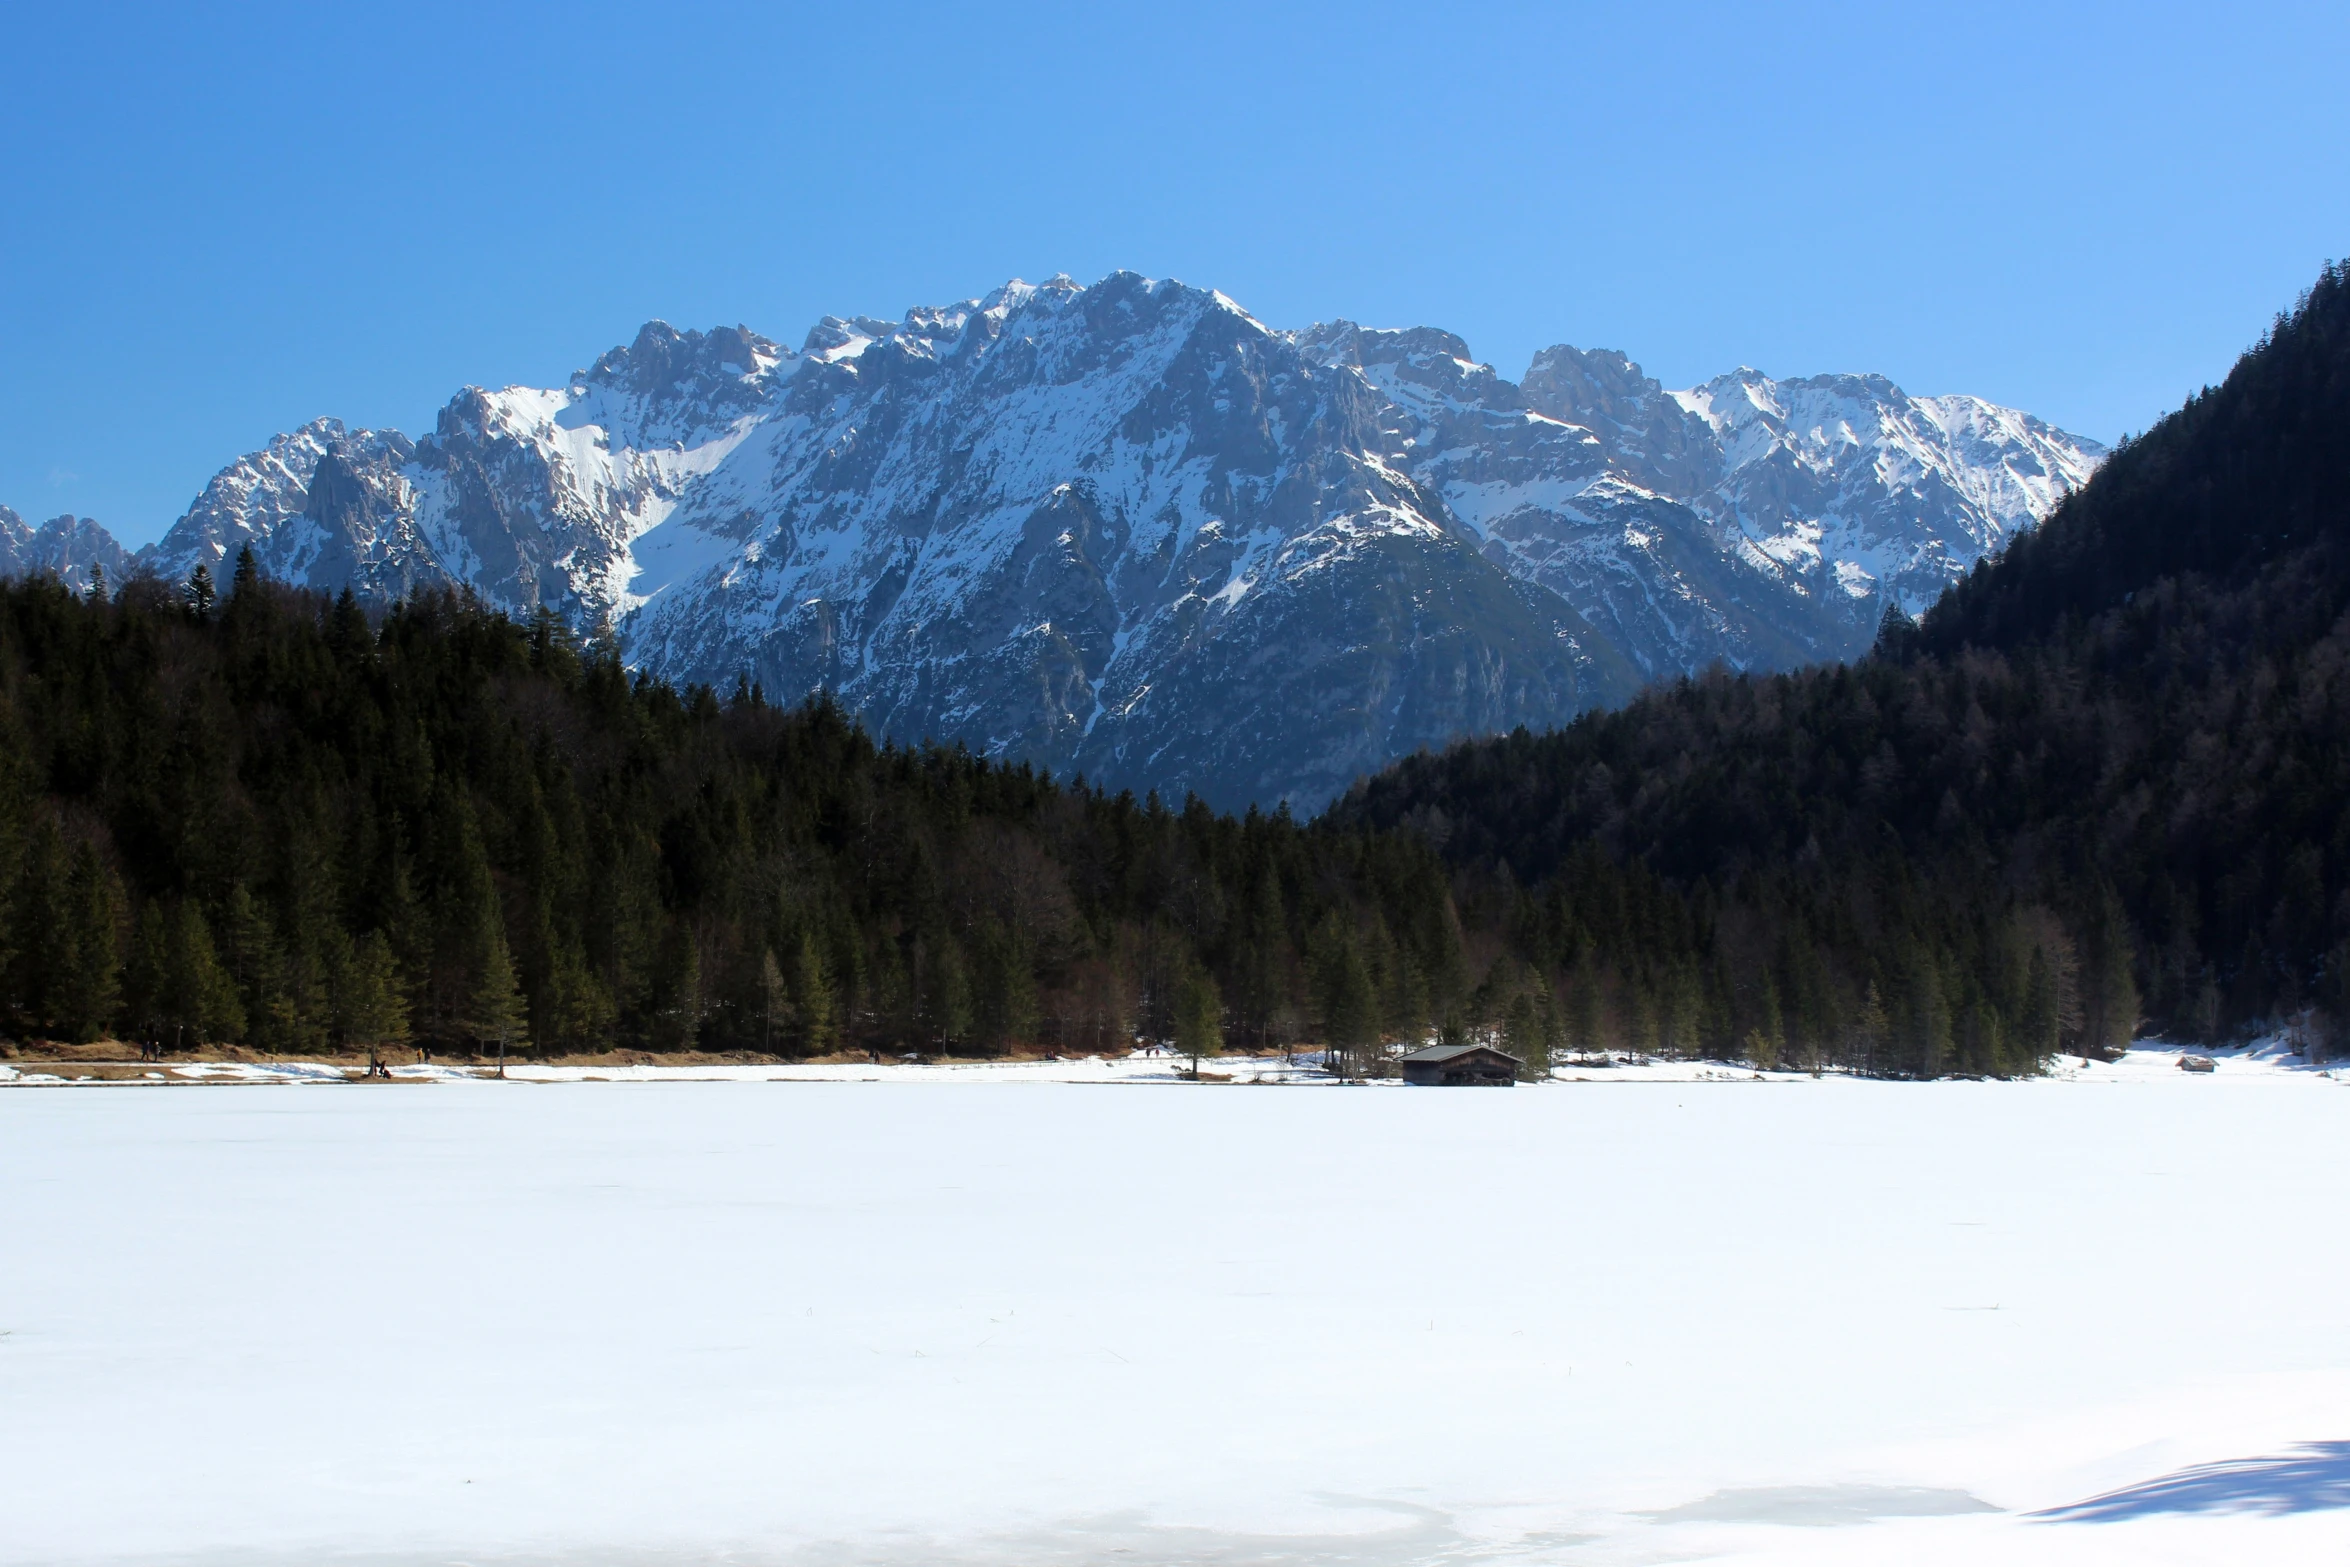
x=1461 y=1066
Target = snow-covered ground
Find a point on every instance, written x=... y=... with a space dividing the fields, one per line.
x=2095 y=1318
x=2265 y=1059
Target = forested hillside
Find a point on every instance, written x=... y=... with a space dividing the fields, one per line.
x=268 y=820
x=2105 y=785
x=2245 y=476
x=2102 y=786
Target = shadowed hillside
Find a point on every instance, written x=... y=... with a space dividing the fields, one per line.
x=2103 y=784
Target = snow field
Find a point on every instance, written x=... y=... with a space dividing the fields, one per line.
x=944 y=1321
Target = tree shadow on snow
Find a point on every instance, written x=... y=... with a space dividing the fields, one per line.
x=2314 y=1477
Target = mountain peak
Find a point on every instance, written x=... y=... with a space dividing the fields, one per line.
x=834 y=339
x=663 y=362
x=1128 y=528
x=1565 y=377
x=65 y=547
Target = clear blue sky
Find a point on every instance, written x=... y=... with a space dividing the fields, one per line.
x=220 y=222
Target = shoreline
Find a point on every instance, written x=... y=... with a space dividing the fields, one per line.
x=2260 y=1060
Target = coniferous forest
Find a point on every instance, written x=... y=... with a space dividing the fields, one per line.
x=2100 y=788
x=2103 y=787
x=261 y=817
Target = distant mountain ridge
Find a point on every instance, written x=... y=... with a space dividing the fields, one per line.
x=1131 y=530
x=65 y=546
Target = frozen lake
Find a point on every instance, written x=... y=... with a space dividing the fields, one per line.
x=1032 y=1323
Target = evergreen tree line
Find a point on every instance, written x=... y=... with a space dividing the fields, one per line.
x=262 y=817
x=2103 y=786
x=266 y=818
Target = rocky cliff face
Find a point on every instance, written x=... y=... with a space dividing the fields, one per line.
x=1555 y=503
x=323 y=505
x=1130 y=530
x=1125 y=530
x=1833 y=484
x=65 y=547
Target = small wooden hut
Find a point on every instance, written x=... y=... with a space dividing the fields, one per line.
x=1461 y=1066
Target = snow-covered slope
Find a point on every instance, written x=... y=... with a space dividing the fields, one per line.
x=1131 y=530
x=1550 y=503
x=1837 y=485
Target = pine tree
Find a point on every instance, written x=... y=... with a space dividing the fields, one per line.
x=1897 y=633
x=2111 y=1003
x=1766 y=1046
x=1265 y=958
x=1551 y=1033
x=2040 y=1030
x=1871 y=1028
x=43 y=954
x=178 y=991
x=774 y=1000
x=1004 y=1004
x=371 y=1007
x=1986 y=1046
x=2205 y=1014
x=1199 y=1017
x=1927 y=1007
x=407 y=930
x=1639 y=1012
x=90 y=989
x=208 y=996
x=1586 y=1009
x=347 y=630
x=256 y=966
x=144 y=978
x=1683 y=1007
x=576 y=1010
x=813 y=998
x=201 y=592
x=1526 y=1035
x=1349 y=1002
x=673 y=990
x=495 y=1015
x=945 y=991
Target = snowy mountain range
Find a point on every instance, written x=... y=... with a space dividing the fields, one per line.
x=1129 y=529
